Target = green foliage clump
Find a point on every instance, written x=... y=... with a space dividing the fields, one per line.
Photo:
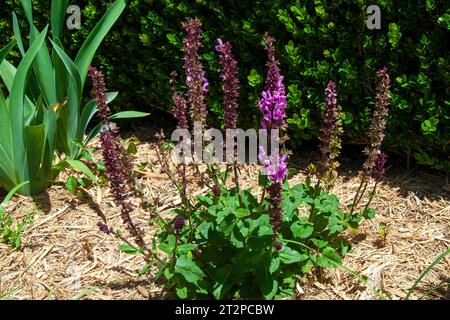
x=227 y=250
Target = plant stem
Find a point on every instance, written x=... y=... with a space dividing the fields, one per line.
x=236 y=181
x=372 y=194
x=313 y=207
x=174 y=255
x=356 y=197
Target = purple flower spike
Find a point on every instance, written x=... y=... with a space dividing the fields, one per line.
x=378 y=123
x=196 y=81
x=230 y=80
x=179 y=108
x=378 y=170
x=330 y=135
x=273 y=103
x=178 y=224
x=117 y=161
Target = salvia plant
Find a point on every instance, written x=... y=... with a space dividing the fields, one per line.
x=229 y=242
x=46 y=92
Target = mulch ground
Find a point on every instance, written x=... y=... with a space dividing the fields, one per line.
x=64 y=256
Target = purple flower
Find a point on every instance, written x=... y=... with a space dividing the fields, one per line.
x=378 y=123
x=179 y=108
x=99 y=91
x=178 y=224
x=330 y=134
x=117 y=161
x=196 y=81
x=278 y=246
x=378 y=170
x=230 y=80
x=275 y=166
x=216 y=191
x=273 y=103
x=105 y=228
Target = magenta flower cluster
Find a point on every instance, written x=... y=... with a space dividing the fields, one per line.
x=196 y=81
x=273 y=108
x=230 y=80
x=275 y=166
x=273 y=103
x=116 y=160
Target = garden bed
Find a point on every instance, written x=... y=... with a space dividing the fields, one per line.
x=64 y=256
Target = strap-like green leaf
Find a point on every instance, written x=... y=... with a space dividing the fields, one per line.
x=34 y=144
x=89 y=110
x=427 y=270
x=58 y=13
x=120 y=115
x=12 y=192
x=129 y=115
x=90 y=46
x=18 y=34
x=7 y=49
x=16 y=103
x=7 y=73
x=28 y=9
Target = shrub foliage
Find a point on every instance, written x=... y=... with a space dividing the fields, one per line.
x=318 y=40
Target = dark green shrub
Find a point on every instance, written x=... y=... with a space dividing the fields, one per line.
x=317 y=41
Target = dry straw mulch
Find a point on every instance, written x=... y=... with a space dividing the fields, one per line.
x=64 y=256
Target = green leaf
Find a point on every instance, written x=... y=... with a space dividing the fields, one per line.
x=89 y=110
x=58 y=12
x=71 y=185
x=394 y=34
x=185 y=248
x=223 y=281
x=254 y=79
x=16 y=99
x=188 y=269
x=274 y=263
x=289 y=255
x=326 y=255
x=129 y=115
x=12 y=192
x=302 y=229
x=127 y=248
x=182 y=292
x=241 y=212
x=369 y=213
x=267 y=284
x=34 y=144
x=7 y=49
x=80 y=166
x=18 y=34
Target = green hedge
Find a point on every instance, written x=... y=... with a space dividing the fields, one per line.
x=317 y=41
